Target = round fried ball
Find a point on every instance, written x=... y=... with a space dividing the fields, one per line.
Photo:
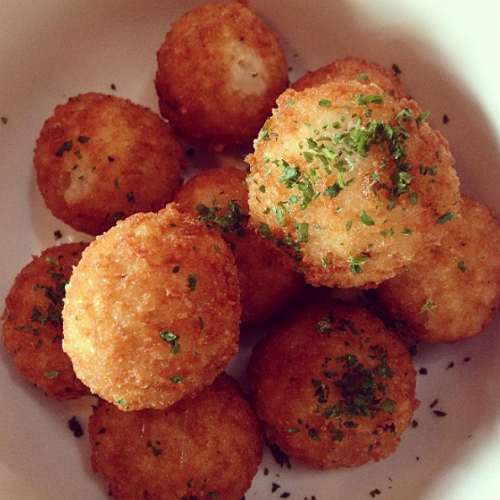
x=334 y=387
x=101 y=158
x=451 y=294
x=353 y=69
x=220 y=71
x=352 y=181
x=203 y=448
x=267 y=277
x=32 y=324
x=152 y=312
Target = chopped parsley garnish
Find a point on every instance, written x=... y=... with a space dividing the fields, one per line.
x=50 y=260
x=355 y=263
x=364 y=100
x=313 y=434
x=446 y=218
x=362 y=76
x=234 y=221
x=83 y=139
x=67 y=146
x=366 y=219
x=118 y=216
x=421 y=117
x=332 y=191
x=428 y=306
x=176 y=379
x=192 y=281
x=325 y=103
x=303 y=229
x=52 y=374
x=462 y=266
x=172 y=339
x=131 y=198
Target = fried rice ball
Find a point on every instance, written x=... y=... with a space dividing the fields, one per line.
x=32 y=324
x=266 y=274
x=352 y=181
x=354 y=69
x=220 y=71
x=152 y=312
x=101 y=158
x=453 y=293
x=203 y=448
x=334 y=387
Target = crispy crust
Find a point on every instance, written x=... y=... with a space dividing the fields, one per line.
x=461 y=276
x=266 y=274
x=220 y=71
x=34 y=336
x=200 y=447
x=150 y=274
x=293 y=374
x=101 y=158
x=349 y=69
x=318 y=118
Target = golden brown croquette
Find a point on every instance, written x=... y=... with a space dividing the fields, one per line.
x=219 y=197
x=205 y=448
x=333 y=386
x=152 y=312
x=352 y=180
x=100 y=158
x=354 y=69
x=220 y=71
x=32 y=323
x=453 y=292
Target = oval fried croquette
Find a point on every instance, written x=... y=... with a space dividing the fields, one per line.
x=203 y=448
x=451 y=294
x=353 y=179
x=32 y=323
x=220 y=71
x=267 y=277
x=101 y=158
x=334 y=387
x=353 y=69
x=152 y=312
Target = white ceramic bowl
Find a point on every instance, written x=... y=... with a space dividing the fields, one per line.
x=448 y=54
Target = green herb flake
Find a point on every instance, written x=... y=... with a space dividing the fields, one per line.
x=202 y=324
x=52 y=374
x=362 y=76
x=293 y=430
x=428 y=306
x=366 y=219
x=388 y=406
x=408 y=231
x=172 y=339
x=325 y=103
x=131 y=198
x=67 y=146
x=348 y=225
x=303 y=229
x=192 y=281
x=364 y=100
x=333 y=191
x=421 y=117
x=355 y=263
x=447 y=217
x=52 y=261
x=413 y=199
x=83 y=139
x=262 y=188
x=176 y=379
x=462 y=266
x=313 y=434
x=337 y=435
